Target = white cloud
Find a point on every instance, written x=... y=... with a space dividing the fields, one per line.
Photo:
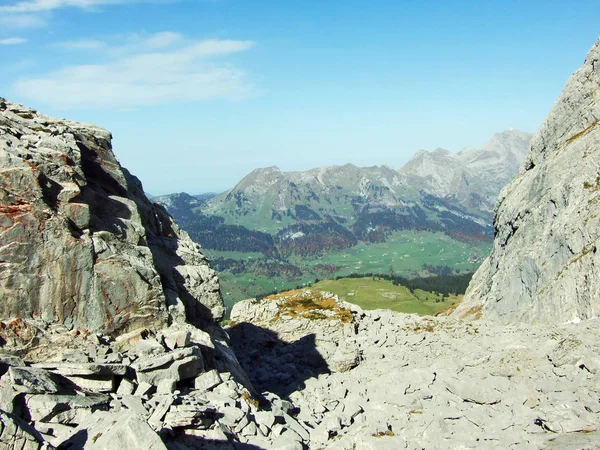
x=12 y=41
x=162 y=40
x=185 y=72
x=15 y=21
x=87 y=44
x=31 y=6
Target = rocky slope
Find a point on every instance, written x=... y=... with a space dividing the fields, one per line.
x=80 y=244
x=544 y=262
x=474 y=176
x=383 y=380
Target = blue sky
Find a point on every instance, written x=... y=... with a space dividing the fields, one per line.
x=198 y=93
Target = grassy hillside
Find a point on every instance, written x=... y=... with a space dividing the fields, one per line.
x=374 y=293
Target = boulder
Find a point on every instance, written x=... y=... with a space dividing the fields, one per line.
x=64 y=409
x=109 y=431
x=33 y=381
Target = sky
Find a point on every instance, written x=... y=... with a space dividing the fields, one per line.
x=198 y=93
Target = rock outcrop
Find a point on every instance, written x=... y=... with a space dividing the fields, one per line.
x=285 y=339
x=80 y=243
x=545 y=263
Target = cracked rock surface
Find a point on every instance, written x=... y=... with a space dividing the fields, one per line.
x=80 y=243
x=545 y=260
x=443 y=383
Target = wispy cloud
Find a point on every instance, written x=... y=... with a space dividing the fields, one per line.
x=86 y=44
x=31 y=6
x=130 y=43
x=164 y=68
x=12 y=41
x=18 y=21
x=164 y=39
x=36 y=13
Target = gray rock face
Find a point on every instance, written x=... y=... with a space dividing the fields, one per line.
x=80 y=244
x=544 y=264
x=15 y=433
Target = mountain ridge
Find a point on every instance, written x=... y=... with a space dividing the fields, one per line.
x=289 y=217
x=474 y=175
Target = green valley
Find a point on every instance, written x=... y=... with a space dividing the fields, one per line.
x=275 y=231
x=405 y=253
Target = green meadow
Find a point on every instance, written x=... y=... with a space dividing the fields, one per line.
x=374 y=293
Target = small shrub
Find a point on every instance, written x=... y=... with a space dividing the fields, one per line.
x=388 y=432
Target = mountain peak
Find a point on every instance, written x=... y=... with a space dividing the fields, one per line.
x=474 y=174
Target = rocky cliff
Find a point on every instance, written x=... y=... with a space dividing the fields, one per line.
x=80 y=244
x=544 y=264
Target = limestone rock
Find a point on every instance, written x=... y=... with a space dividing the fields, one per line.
x=65 y=409
x=14 y=433
x=299 y=316
x=80 y=243
x=109 y=431
x=544 y=262
x=32 y=381
x=178 y=365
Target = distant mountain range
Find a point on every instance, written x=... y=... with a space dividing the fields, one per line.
x=319 y=210
x=271 y=218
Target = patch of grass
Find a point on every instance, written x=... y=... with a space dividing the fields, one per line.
x=449 y=310
x=41 y=129
x=474 y=312
x=583 y=132
x=592 y=186
x=587 y=250
x=426 y=327
x=310 y=304
x=369 y=293
x=249 y=399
